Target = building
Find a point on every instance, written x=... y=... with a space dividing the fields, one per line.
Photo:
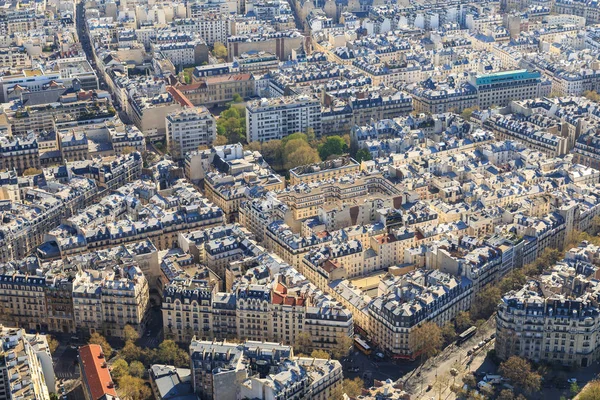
x=95 y=374
x=259 y=369
x=26 y=370
x=502 y=87
x=406 y=301
x=324 y=171
x=276 y=118
x=189 y=128
x=532 y=322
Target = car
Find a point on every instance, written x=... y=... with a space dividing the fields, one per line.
x=380 y=355
x=572 y=380
x=481 y=344
x=149 y=334
x=428 y=388
x=469 y=352
x=354 y=369
x=493 y=336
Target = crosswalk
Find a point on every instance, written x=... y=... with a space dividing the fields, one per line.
x=151 y=342
x=66 y=375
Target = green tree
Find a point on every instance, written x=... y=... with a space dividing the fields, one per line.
x=272 y=151
x=302 y=155
x=363 y=155
x=130 y=352
x=130 y=334
x=519 y=372
x=132 y=388
x=574 y=389
x=54 y=396
x=219 y=50
x=333 y=145
x=136 y=368
x=171 y=354
x=342 y=346
x=100 y=340
x=119 y=369
x=237 y=98
x=320 y=354
x=590 y=392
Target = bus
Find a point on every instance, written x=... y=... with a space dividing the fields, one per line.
x=362 y=345
x=463 y=337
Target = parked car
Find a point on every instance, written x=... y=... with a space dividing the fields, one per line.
x=572 y=380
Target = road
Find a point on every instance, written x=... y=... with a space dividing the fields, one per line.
x=436 y=372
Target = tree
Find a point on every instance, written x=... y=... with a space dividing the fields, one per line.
x=463 y=321
x=506 y=395
x=220 y=140
x=128 y=150
x=353 y=387
x=574 y=389
x=130 y=334
x=32 y=171
x=130 y=352
x=272 y=151
x=427 y=340
x=342 y=346
x=237 y=98
x=100 y=340
x=54 y=396
x=304 y=342
x=132 y=388
x=171 y=354
x=590 y=392
x=320 y=354
x=467 y=112
x=334 y=145
x=219 y=50
x=363 y=155
x=302 y=156
x=592 y=95
x=518 y=371
x=448 y=332
x=486 y=302
x=136 y=368
x=52 y=344
x=119 y=369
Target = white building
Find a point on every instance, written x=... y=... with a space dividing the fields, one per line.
x=26 y=371
x=268 y=119
x=189 y=128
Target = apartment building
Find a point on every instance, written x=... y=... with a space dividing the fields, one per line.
x=554 y=319
x=229 y=370
x=257 y=309
x=324 y=171
x=95 y=374
x=502 y=87
x=276 y=118
x=405 y=301
x=19 y=154
x=189 y=128
x=210 y=26
x=26 y=370
x=219 y=89
x=106 y=301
